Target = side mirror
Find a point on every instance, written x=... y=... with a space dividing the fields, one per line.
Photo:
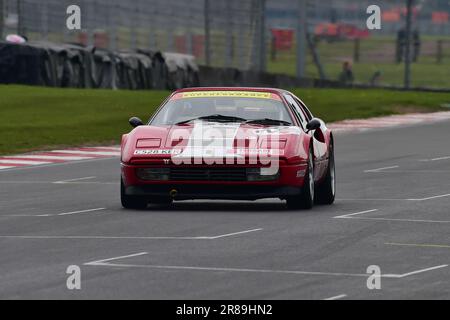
x=314 y=124
x=135 y=122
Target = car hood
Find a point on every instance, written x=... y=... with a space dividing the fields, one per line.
x=210 y=139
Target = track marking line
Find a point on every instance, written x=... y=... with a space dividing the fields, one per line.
x=410 y=199
x=400 y=220
x=441 y=158
x=81 y=211
x=341 y=296
x=435 y=159
x=106 y=263
x=55 y=214
x=235 y=233
x=381 y=169
x=354 y=214
x=103 y=262
x=74 y=180
x=126 y=238
x=420 y=271
x=393 y=219
x=418 y=245
x=432 y=197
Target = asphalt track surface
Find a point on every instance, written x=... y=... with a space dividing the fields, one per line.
x=392 y=210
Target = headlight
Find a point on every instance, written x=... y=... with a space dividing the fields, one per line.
x=262 y=174
x=161 y=174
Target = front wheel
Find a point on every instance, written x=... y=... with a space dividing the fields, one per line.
x=131 y=202
x=306 y=199
x=326 y=191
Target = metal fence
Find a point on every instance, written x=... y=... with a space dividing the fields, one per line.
x=219 y=33
x=245 y=34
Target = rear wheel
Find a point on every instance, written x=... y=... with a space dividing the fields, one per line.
x=326 y=191
x=131 y=202
x=306 y=199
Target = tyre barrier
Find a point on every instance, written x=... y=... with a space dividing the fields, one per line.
x=75 y=66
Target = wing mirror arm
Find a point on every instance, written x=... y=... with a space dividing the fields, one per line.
x=314 y=124
x=135 y=122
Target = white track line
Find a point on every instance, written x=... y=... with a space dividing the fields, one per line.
x=433 y=197
x=9 y=167
x=401 y=220
x=381 y=169
x=101 y=262
x=74 y=180
x=436 y=159
x=354 y=214
x=441 y=158
x=124 y=237
x=422 y=271
x=106 y=263
x=53 y=215
x=410 y=199
x=81 y=211
x=235 y=233
x=418 y=245
x=341 y=296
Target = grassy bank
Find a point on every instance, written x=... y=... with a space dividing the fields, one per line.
x=34 y=118
x=377 y=54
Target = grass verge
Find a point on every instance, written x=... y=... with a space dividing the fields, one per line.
x=35 y=118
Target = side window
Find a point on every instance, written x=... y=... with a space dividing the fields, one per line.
x=306 y=111
x=297 y=110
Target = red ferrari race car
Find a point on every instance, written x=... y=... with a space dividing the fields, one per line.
x=228 y=143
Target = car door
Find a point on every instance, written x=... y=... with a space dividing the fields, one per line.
x=303 y=120
x=320 y=144
x=320 y=147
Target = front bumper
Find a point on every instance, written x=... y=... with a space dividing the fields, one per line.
x=228 y=192
x=288 y=183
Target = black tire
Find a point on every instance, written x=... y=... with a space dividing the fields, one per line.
x=326 y=191
x=131 y=202
x=306 y=199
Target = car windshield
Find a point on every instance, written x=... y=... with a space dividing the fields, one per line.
x=221 y=106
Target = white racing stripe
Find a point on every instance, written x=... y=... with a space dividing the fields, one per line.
x=3 y=167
